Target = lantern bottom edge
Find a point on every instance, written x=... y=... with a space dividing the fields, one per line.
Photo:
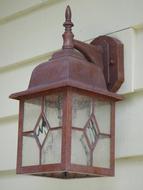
x=71 y=174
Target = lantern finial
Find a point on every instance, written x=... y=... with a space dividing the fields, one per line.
x=68 y=35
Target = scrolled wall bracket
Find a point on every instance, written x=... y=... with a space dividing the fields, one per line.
x=107 y=53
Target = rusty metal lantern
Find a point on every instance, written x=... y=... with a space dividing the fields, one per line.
x=67 y=114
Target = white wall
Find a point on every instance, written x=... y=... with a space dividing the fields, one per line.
x=29 y=32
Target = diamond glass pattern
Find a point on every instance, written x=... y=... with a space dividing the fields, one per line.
x=92 y=131
x=42 y=130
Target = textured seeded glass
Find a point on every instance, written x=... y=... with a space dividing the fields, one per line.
x=42 y=127
x=81 y=110
x=53 y=110
x=103 y=114
x=32 y=110
x=51 y=151
x=101 y=153
x=90 y=144
x=30 y=152
x=80 y=151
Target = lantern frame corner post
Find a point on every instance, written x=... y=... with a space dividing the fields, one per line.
x=66 y=134
x=112 y=145
x=20 y=137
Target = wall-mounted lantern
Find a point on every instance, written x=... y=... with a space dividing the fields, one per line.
x=67 y=114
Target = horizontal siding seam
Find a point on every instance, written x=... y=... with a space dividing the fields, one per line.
x=9 y=118
x=32 y=60
x=27 y=11
x=13 y=171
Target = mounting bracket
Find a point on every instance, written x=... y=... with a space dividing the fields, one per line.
x=107 y=53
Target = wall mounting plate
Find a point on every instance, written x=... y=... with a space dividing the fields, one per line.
x=113 y=61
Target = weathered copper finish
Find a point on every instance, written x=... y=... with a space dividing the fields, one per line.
x=67 y=68
x=94 y=70
x=66 y=169
x=98 y=68
x=107 y=53
x=92 y=53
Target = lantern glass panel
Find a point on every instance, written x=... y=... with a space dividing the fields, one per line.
x=80 y=149
x=51 y=151
x=91 y=120
x=32 y=110
x=81 y=110
x=102 y=112
x=30 y=152
x=101 y=153
x=53 y=110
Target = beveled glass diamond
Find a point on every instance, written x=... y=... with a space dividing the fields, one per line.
x=42 y=130
x=92 y=131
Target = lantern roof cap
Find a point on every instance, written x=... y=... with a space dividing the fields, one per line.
x=66 y=69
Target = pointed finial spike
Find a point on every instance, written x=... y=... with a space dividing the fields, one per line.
x=68 y=13
x=68 y=35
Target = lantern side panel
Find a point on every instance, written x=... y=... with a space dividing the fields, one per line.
x=91 y=128
x=42 y=130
